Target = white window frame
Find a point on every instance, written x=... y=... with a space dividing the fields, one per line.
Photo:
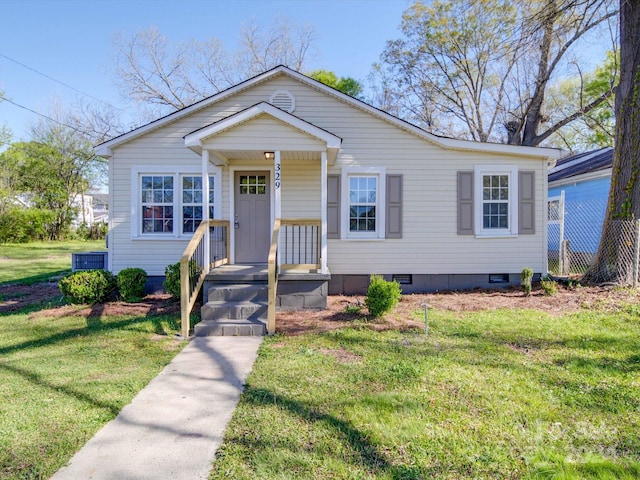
x=512 y=172
x=195 y=204
x=346 y=174
x=138 y=171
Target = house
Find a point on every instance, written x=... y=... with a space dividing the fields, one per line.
x=358 y=190
x=578 y=193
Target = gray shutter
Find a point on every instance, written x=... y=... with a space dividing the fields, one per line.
x=526 y=203
x=393 y=212
x=333 y=206
x=465 y=203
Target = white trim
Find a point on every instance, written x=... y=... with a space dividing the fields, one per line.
x=105 y=149
x=512 y=172
x=323 y=213
x=584 y=177
x=232 y=200
x=380 y=173
x=195 y=140
x=138 y=170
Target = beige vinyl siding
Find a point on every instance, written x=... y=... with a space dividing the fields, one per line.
x=264 y=133
x=300 y=193
x=429 y=243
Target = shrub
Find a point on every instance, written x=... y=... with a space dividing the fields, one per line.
x=549 y=287
x=131 y=282
x=21 y=225
x=525 y=280
x=172 y=280
x=172 y=277
x=88 y=286
x=382 y=296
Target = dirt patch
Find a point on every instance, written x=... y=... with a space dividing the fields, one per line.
x=15 y=297
x=408 y=313
x=342 y=310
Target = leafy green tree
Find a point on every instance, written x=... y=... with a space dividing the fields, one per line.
x=5 y=133
x=347 y=85
x=48 y=176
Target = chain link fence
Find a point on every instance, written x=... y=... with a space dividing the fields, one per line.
x=575 y=228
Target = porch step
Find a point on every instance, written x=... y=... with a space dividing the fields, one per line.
x=238 y=293
x=234 y=309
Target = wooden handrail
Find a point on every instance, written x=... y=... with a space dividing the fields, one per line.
x=272 y=278
x=300 y=221
x=189 y=293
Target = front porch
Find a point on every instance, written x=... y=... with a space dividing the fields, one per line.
x=242 y=299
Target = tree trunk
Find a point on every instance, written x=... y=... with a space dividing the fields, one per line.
x=615 y=258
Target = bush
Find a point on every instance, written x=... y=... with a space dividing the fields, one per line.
x=382 y=296
x=131 y=282
x=172 y=280
x=525 y=280
x=22 y=225
x=88 y=286
x=549 y=287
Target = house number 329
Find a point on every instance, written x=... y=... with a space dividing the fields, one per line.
x=277 y=179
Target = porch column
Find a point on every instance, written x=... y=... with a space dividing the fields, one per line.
x=205 y=207
x=277 y=182
x=323 y=212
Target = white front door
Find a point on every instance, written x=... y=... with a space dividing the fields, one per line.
x=252 y=220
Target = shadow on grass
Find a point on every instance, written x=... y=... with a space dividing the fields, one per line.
x=367 y=453
x=39 y=380
x=40 y=278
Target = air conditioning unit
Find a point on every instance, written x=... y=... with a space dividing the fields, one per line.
x=88 y=261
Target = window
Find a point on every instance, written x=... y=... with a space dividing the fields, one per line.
x=495 y=201
x=363 y=213
x=362 y=203
x=192 y=202
x=165 y=201
x=157 y=204
x=496 y=194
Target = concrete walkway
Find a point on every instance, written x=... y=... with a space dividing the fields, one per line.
x=173 y=427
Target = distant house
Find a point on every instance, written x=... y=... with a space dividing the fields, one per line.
x=372 y=194
x=581 y=184
x=92 y=208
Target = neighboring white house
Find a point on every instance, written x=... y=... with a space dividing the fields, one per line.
x=390 y=198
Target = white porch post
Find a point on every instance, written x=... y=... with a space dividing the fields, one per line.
x=205 y=207
x=277 y=182
x=323 y=212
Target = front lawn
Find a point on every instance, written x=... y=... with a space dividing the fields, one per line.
x=29 y=263
x=62 y=377
x=486 y=395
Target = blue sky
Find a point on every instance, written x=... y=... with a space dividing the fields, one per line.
x=71 y=40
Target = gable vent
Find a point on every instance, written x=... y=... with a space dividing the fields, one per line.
x=283 y=100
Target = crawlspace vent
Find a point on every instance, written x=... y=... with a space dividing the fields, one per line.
x=283 y=100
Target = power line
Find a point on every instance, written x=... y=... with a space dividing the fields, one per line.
x=57 y=81
x=47 y=117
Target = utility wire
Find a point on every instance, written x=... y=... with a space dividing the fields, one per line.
x=57 y=81
x=47 y=117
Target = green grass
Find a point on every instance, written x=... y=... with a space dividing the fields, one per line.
x=29 y=263
x=61 y=379
x=506 y=394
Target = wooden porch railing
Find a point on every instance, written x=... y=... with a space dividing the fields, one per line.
x=272 y=278
x=195 y=264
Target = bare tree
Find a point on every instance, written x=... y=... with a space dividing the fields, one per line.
x=480 y=69
x=614 y=260
x=153 y=71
